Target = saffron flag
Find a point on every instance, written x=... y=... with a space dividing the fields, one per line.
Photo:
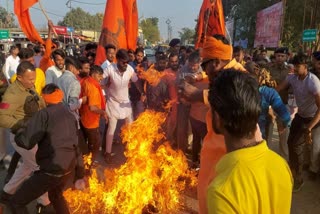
x=21 y=9
x=210 y=21
x=120 y=27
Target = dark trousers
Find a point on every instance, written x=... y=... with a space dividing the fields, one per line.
x=37 y=185
x=296 y=145
x=182 y=126
x=82 y=141
x=93 y=138
x=12 y=167
x=199 y=131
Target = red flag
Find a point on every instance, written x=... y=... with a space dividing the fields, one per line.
x=210 y=21
x=120 y=27
x=21 y=9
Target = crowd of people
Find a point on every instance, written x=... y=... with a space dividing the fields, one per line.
x=58 y=107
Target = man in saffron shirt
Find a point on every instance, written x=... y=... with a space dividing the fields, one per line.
x=91 y=111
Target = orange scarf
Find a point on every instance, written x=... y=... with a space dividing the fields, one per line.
x=97 y=85
x=216 y=49
x=53 y=98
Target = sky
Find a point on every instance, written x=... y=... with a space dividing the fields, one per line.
x=181 y=13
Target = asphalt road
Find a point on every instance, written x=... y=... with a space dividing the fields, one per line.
x=307 y=201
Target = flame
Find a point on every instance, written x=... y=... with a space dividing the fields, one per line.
x=87 y=161
x=152 y=179
x=152 y=76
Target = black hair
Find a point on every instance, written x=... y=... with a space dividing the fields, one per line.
x=139 y=50
x=95 y=69
x=70 y=60
x=130 y=51
x=190 y=50
x=109 y=46
x=83 y=60
x=161 y=57
x=159 y=53
x=37 y=49
x=24 y=67
x=50 y=88
x=90 y=46
x=58 y=52
x=173 y=54
x=183 y=48
x=25 y=53
x=237 y=49
x=194 y=57
x=300 y=59
x=222 y=38
x=122 y=54
x=12 y=48
x=235 y=97
x=93 y=55
x=29 y=45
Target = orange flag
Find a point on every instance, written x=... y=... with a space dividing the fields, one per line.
x=210 y=21
x=120 y=27
x=21 y=9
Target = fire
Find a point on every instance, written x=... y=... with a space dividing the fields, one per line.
x=87 y=161
x=151 y=180
x=152 y=76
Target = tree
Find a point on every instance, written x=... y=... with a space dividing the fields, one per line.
x=79 y=19
x=6 y=19
x=150 y=29
x=187 y=35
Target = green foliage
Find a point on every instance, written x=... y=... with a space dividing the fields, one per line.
x=6 y=19
x=81 y=20
x=150 y=29
x=187 y=35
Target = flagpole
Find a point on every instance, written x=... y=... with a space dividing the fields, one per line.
x=47 y=17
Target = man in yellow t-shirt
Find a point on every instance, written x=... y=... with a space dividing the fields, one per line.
x=26 y=54
x=250 y=178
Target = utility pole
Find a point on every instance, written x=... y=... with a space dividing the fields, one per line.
x=69 y=4
x=168 y=22
x=71 y=24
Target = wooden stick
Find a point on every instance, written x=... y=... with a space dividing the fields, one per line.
x=47 y=17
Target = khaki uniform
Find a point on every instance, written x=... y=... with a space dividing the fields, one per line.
x=279 y=74
x=21 y=106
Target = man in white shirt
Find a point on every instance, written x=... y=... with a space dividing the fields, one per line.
x=110 y=53
x=118 y=103
x=55 y=71
x=12 y=63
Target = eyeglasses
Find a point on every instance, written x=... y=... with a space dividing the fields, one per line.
x=205 y=63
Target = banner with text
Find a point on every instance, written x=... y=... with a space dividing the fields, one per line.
x=268 y=26
x=61 y=30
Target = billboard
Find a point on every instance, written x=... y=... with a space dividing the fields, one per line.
x=60 y=30
x=268 y=26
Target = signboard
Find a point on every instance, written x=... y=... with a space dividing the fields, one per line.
x=309 y=35
x=268 y=26
x=4 y=34
x=60 y=30
x=70 y=29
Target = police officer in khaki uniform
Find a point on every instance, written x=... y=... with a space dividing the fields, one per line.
x=20 y=102
x=279 y=72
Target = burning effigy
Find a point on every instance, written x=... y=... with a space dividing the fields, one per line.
x=151 y=181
